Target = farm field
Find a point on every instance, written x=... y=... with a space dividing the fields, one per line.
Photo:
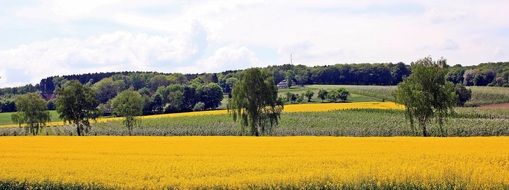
x=5 y=118
x=481 y=95
x=468 y=122
x=250 y=162
x=288 y=108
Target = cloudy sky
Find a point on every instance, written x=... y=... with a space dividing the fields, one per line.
x=54 y=37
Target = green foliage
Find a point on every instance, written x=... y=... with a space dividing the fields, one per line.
x=254 y=102
x=17 y=118
x=463 y=94
x=340 y=94
x=128 y=104
x=290 y=77
x=106 y=89
x=300 y=98
x=309 y=95
x=77 y=104
x=32 y=110
x=426 y=94
x=211 y=94
x=158 y=81
x=323 y=94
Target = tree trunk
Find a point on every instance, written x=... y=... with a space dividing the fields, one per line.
x=78 y=129
x=424 y=131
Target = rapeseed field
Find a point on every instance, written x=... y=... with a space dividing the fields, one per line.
x=257 y=162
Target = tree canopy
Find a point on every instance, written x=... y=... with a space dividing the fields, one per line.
x=32 y=110
x=427 y=94
x=128 y=104
x=77 y=104
x=254 y=102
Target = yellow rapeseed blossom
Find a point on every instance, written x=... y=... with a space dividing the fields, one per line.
x=260 y=162
x=288 y=108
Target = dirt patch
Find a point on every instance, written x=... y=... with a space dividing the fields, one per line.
x=496 y=106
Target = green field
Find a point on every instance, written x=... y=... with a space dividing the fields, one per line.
x=481 y=95
x=5 y=118
x=336 y=123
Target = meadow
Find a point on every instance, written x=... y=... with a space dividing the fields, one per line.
x=255 y=163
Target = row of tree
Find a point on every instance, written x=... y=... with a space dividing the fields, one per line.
x=336 y=95
x=495 y=74
x=78 y=104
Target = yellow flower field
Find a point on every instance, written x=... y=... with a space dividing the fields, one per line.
x=288 y=108
x=258 y=162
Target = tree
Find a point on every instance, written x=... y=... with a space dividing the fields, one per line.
x=158 y=81
x=309 y=94
x=32 y=110
x=211 y=94
x=343 y=94
x=333 y=96
x=301 y=74
x=398 y=72
x=128 y=104
x=299 y=98
x=468 y=77
x=290 y=76
x=323 y=94
x=106 y=89
x=254 y=102
x=289 y=96
x=77 y=105
x=463 y=94
x=17 y=118
x=455 y=74
x=427 y=94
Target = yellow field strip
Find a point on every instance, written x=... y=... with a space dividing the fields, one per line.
x=241 y=162
x=288 y=108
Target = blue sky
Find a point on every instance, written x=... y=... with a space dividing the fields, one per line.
x=56 y=37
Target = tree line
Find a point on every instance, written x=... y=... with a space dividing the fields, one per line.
x=147 y=83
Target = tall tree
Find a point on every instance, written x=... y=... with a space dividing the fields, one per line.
x=427 y=94
x=128 y=104
x=32 y=110
x=254 y=101
x=77 y=105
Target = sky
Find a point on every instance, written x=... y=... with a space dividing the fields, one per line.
x=44 y=38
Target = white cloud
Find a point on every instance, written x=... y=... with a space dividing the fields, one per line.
x=317 y=32
x=118 y=51
x=225 y=58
